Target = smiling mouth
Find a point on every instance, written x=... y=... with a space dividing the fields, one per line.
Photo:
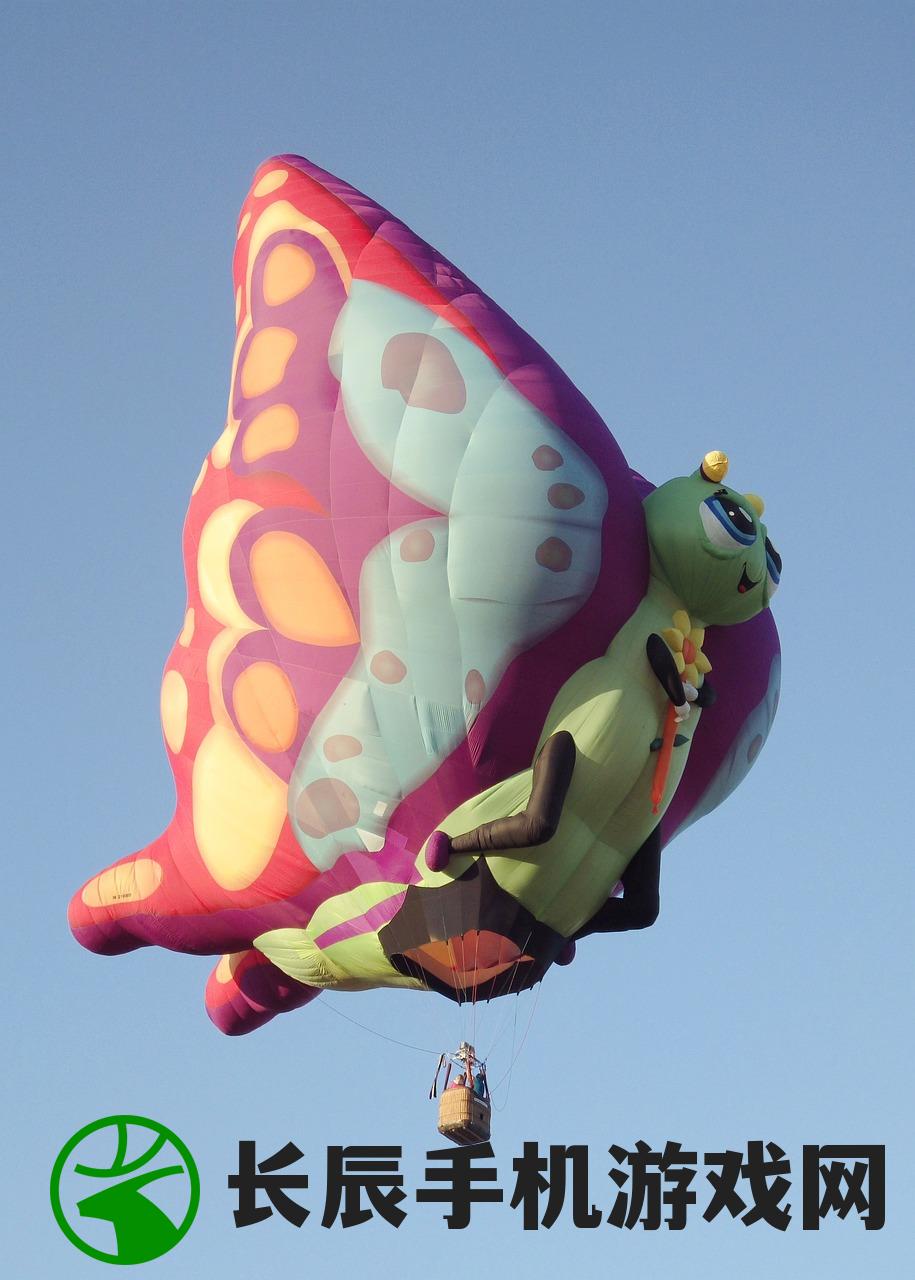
x=746 y=583
x=468 y=938
x=470 y=959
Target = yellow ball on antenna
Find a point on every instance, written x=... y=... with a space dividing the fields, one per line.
x=755 y=502
x=715 y=466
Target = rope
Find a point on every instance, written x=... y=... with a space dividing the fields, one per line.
x=323 y=1004
x=517 y=1055
x=510 y=1008
x=516 y=969
x=514 y=1038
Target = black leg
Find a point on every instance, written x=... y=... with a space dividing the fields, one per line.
x=539 y=821
x=638 y=908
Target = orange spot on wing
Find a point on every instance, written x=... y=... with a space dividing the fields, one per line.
x=297 y=591
x=273 y=430
x=289 y=271
x=265 y=362
x=265 y=706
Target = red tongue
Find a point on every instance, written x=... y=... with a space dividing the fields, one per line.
x=481 y=949
x=467 y=960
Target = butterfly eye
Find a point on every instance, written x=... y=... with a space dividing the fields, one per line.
x=726 y=523
x=773 y=568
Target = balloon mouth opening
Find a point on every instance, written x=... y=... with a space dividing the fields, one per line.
x=467 y=960
x=469 y=939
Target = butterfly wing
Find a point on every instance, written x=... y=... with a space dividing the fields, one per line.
x=412 y=529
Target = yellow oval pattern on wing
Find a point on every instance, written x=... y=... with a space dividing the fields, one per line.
x=173 y=700
x=213 y=555
x=239 y=807
x=127 y=882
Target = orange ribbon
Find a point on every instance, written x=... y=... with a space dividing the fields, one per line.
x=662 y=768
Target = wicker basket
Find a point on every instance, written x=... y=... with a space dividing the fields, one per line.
x=463 y=1117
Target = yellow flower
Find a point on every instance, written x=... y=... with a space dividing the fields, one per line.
x=685 y=643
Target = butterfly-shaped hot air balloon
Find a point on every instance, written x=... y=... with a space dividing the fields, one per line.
x=416 y=562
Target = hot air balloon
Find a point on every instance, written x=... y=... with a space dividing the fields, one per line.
x=444 y=654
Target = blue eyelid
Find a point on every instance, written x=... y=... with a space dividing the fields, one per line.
x=716 y=507
x=773 y=569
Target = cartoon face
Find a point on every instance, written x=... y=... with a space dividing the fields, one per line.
x=709 y=544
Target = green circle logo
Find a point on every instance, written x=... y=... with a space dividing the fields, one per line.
x=99 y=1184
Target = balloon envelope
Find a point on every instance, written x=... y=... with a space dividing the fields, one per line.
x=412 y=531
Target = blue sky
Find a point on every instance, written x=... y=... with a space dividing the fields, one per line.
x=704 y=212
